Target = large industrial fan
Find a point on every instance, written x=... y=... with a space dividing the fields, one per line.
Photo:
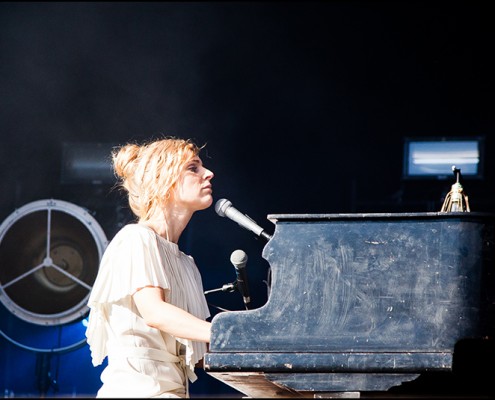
x=49 y=258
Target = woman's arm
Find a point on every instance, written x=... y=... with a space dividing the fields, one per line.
x=168 y=318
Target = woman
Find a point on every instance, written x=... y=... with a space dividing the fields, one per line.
x=148 y=310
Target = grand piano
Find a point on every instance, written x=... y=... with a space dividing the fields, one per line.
x=366 y=303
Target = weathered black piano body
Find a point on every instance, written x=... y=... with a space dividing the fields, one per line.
x=362 y=303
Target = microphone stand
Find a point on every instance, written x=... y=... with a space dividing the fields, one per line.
x=228 y=287
x=456 y=199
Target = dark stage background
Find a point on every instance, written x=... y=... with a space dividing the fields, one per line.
x=303 y=107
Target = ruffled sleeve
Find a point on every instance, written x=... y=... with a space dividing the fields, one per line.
x=130 y=262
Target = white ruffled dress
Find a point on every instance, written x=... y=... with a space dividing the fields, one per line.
x=143 y=361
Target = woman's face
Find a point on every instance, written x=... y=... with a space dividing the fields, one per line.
x=194 y=190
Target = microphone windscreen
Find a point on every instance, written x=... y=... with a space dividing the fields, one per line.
x=238 y=257
x=221 y=206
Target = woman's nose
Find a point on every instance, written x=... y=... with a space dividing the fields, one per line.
x=209 y=174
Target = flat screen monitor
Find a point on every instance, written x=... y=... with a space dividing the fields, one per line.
x=434 y=158
x=87 y=163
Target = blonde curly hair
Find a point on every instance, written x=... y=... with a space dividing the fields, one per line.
x=149 y=172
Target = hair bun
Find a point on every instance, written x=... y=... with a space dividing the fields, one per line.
x=123 y=159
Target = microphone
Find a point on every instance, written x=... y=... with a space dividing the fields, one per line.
x=239 y=259
x=224 y=208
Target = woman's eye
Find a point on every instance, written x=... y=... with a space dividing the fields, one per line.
x=193 y=168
